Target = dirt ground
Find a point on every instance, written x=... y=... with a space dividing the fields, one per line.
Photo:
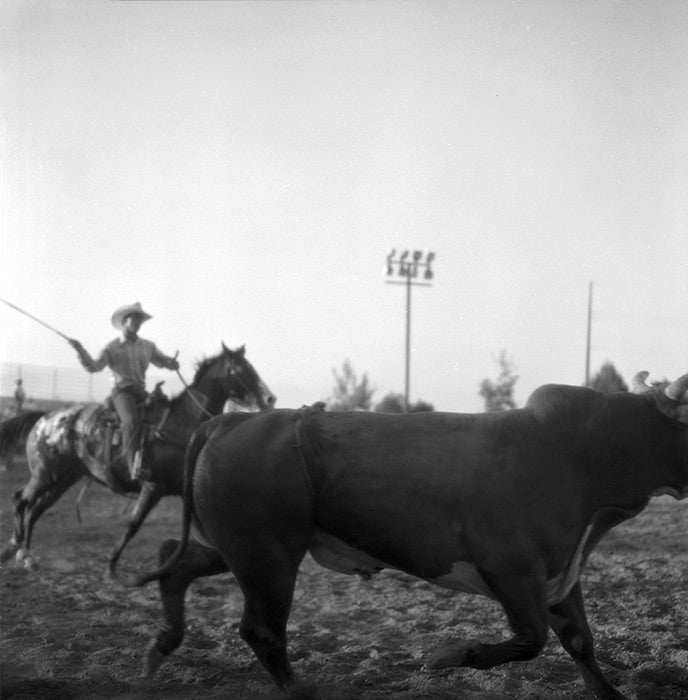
x=69 y=635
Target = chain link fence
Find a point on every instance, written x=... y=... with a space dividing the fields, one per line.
x=64 y=384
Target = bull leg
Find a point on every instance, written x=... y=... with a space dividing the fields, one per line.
x=523 y=600
x=569 y=622
x=148 y=498
x=267 y=603
x=197 y=561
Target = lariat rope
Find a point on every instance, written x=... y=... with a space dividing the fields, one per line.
x=195 y=400
x=191 y=394
x=300 y=440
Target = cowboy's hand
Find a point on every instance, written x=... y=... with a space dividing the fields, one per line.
x=75 y=344
x=174 y=364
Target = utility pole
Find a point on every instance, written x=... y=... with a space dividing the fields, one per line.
x=409 y=265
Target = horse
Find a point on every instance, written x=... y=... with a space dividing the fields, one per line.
x=14 y=433
x=508 y=505
x=67 y=444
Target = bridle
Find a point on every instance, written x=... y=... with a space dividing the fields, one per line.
x=232 y=373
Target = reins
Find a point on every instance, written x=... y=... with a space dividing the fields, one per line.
x=245 y=386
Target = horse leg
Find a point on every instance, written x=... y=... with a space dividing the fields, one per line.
x=25 y=499
x=39 y=503
x=523 y=600
x=570 y=624
x=196 y=561
x=17 y=538
x=147 y=499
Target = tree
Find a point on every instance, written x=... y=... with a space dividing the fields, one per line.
x=608 y=380
x=498 y=395
x=394 y=403
x=348 y=393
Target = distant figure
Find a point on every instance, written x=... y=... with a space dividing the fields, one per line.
x=128 y=357
x=19 y=396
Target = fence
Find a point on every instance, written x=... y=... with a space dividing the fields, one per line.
x=67 y=383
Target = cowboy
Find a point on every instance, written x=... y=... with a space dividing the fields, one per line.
x=128 y=358
x=19 y=396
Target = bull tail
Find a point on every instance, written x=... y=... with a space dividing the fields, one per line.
x=198 y=440
x=14 y=432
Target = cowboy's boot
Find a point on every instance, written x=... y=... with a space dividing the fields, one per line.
x=139 y=471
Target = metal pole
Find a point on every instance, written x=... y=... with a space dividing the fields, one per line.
x=587 y=343
x=407 y=265
x=408 y=342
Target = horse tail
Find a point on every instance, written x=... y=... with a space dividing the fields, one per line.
x=193 y=449
x=14 y=432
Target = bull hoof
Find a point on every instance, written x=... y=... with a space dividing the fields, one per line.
x=302 y=691
x=451 y=654
x=154 y=657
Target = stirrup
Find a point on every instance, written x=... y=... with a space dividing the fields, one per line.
x=138 y=472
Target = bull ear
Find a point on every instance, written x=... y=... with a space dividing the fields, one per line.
x=640 y=385
x=677 y=389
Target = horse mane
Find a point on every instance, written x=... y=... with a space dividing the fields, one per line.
x=202 y=366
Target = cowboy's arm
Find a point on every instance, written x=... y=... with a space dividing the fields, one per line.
x=88 y=363
x=159 y=359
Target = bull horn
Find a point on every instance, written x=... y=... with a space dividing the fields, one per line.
x=640 y=385
x=676 y=390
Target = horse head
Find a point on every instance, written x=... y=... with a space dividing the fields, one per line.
x=244 y=385
x=239 y=380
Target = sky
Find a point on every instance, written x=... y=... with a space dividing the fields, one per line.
x=243 y=169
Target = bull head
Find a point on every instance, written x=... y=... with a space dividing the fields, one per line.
x=640 y=385
x=676 y=391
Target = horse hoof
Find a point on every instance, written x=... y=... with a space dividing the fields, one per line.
x=30 y=563
x=154 y=657
x=7 y=554
x=450 y=654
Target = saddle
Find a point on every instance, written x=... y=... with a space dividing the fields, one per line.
x=102 y=430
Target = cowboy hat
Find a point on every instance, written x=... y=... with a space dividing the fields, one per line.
x=128 y=310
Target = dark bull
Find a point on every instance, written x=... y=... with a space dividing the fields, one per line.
x=508 y=505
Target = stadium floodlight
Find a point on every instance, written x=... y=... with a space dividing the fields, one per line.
x=415 y=267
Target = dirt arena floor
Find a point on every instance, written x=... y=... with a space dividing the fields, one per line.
x=69 y=635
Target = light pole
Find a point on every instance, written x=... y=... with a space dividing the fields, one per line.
x=415 y=268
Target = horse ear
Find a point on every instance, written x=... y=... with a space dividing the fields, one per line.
x=225 y=349
x=241 y=351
